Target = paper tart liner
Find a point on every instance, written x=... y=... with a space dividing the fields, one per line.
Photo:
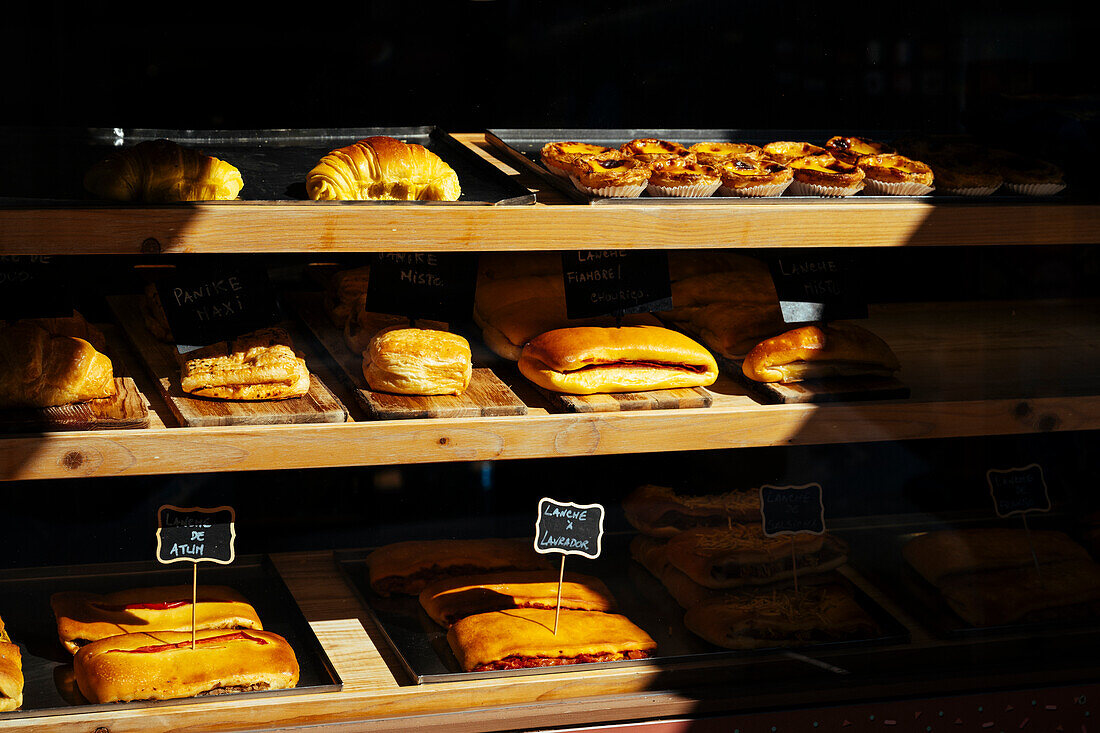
x=616 y=192
x=896 y=188
x=1034 y=189
x=970 y=190
x=694 y=191
x=762 y=191
x=800 y=188
x=559 y=172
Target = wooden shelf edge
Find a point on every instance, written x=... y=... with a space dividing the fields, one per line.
x=199 y=450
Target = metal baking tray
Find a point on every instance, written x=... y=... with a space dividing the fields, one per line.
x=522 y=146
x=41 y=165
x=49 y=685
x=876 y=552
x=421 y=645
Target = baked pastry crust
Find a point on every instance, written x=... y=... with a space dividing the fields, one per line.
x=715 y=153
x=163 y=666
x=11 y=673
x=893 y=168
x=941 y=555
x=601 y=171
x=652 y=554
x=781 y=617
x=850 y=149
x=654 y=150
x=524 y=637
x=258 y=366
x=418 y=361
x=825 y=170
x=382 y=168
x=448 y=600
x=753 y=169
x=592 y=360
x=160 y=171
x=813 y=352
x=41 y=369
x=661 y=511
x=408 y=567
x=558 y=156
x=83 y=617
x=784 y=151
x=682 y=172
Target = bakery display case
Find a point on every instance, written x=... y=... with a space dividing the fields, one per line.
x=944 y=577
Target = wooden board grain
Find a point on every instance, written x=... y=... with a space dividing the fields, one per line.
x=487 y=395
x=837 y=389
x=319 y=405
x=658 y=399
x=127 y=408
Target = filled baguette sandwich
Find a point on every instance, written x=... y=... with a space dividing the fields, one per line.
x=163 y=666
x=817 y=352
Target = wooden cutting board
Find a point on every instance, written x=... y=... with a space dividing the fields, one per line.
x=487 y=395
x=658 y=399
x=126 y=409
x=837 y=389
x=319 y=405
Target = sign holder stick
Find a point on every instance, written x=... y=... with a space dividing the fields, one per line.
x=194 y=599
x=557 y=608
x=794 y=566
x=1031 y=546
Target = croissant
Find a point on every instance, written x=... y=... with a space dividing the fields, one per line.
x=382 y=169
x=159 y=171
x=41 y=369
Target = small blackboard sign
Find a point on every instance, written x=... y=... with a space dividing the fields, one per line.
x=196 y=534
x=792 y=510
x=569 y=529
x=34 y=286
x=1018 y=490
x=433 y=285
x=615 y=282
x=212 y=303
x=818 y=287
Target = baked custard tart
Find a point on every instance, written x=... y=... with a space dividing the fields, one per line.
x=784 y=151
x=964 y=180
x=1028 y=176
x=753 y=176
x=824 y=175
x=652 y=150
x=849 y=149
x=895 y=175
x=683 y=179
x=557 y=156
x=611 y=175
x=713 y=153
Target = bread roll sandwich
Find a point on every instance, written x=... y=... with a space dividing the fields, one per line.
x=591 y=360
x=816 y=352
x=262 y=365
x=652 y=554
x=83 y=617
x=11 y=673
x=382 y=168
x=408 y=567
x=761 y=618
x=41 y=369
x=163 y=666
x=717 y=557
x=941 y=555
x=418 y=361
x=451 y=599
x=660 y=511
x=524 y=638
x=161 y=171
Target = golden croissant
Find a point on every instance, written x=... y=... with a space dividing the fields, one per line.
x=159 y=171
x=43 y=369
x=382 y=169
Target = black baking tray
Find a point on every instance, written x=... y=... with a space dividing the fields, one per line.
x=522 y=147
x=421 y=645
x=43 y=165
x=876 y=552
x=49 y=687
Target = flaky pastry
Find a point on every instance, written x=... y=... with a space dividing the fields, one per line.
x=653 y=150
x=824 y=175
x=661 y=511
x=714 y=153
x=451 y=599
x=753 y=175
x=610 y=175
x=849 y=149
x=557 y=156
x=160 y=171
x=784 y=151
x=11 y=673
x=258 y=366
x=1027 y=175
x=894 y=174
x=382 y=168
x=814 y=352
x=408 y=567
x=42 y=369
x=418 y=361
x=683 y=178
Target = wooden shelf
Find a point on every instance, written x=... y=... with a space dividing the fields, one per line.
x=329 y=227
x=974 y=369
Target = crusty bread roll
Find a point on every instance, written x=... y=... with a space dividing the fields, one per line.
x=451 y=599
x=163 y=666
x=160 y=171
x=418 y=361
x=86 y=617
x=592 y=360
x=524 y=638
x=382 y=168
x=407 y=567
x=814 y=352
x=40 y=369
x=11 y=673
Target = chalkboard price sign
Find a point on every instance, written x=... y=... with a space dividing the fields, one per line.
x=1018 y=490
x=196 y=534
x=615 y=282
x=818 y=287
x=34 y=286
x=434 y=285
x=789 y=510
x=205 y=305
x=569 y=529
